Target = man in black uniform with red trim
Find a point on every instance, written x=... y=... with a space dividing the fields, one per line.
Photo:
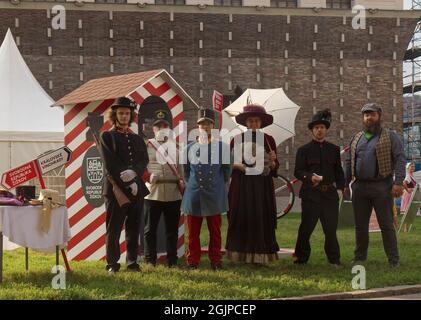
x=318 y=166
x=125 y=159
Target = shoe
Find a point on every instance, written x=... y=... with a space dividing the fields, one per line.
x=300 y=262
x=172 y=265
x=192 y=266
x=394 y=264
x=336 y=265
x=216 y=266
x=151 y=263
x=113 y=268
x=134 y=267
x=356 y=261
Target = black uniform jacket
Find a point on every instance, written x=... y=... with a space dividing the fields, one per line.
x=323 y=159
x=125 y=151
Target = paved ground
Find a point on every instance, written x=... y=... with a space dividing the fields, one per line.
x=404 y=297
x=409 y=292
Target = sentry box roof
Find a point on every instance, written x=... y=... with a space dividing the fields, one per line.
x=125 y=85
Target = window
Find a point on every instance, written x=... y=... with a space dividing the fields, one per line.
x=170 y=1
x=338 y=4
x=283 y=3
x=229 y=3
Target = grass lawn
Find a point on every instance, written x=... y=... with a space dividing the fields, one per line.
x=280 y=279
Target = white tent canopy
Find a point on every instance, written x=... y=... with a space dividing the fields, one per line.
x=24 y=105
x=28 y=125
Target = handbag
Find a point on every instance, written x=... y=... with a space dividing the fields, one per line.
x=5 y=201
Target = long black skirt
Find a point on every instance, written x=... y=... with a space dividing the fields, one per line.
x=252 y=219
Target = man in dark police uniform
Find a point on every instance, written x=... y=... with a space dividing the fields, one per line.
x=318 y=166
x=125 y=159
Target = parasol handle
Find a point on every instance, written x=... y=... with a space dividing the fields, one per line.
x=270 y=149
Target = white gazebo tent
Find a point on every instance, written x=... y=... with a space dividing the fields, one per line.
x=28 y=125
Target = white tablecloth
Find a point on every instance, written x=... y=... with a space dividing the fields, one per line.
x=21 y=225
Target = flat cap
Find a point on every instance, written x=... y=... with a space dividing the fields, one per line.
x=371 y=107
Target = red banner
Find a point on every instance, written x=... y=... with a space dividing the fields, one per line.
x=217 y=101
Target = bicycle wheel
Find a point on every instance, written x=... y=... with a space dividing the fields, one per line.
x=284 y=189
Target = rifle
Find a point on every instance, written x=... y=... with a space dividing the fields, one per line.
x=120 y=196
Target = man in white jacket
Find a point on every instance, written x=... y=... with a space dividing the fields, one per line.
x=165 y=185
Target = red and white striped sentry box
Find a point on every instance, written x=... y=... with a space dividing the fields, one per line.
x=87 y=221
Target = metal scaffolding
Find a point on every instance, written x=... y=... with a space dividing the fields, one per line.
x=412 y=100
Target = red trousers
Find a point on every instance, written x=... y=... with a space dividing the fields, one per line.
x=194 y=224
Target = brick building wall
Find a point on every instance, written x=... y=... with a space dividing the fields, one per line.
x=317 y=57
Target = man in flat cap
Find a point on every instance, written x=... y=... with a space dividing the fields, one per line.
x=376 y=165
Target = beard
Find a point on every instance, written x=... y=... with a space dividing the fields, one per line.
x=373 y=127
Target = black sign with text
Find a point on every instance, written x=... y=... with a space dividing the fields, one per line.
x=92 y=174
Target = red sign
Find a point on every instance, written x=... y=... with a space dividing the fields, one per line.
x=217 y=101
x=17 y=176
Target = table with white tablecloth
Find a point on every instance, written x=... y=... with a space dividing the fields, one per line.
x=22 y=226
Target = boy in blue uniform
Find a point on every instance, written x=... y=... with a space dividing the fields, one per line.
x=207 y=172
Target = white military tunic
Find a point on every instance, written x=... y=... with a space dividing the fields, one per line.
x=165 y=188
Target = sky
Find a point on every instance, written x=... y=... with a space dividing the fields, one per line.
x=408 y=4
